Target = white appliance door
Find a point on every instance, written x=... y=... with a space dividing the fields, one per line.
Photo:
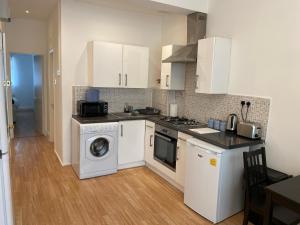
x=202 y=181
x=5 y=187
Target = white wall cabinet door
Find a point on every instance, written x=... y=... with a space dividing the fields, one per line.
x=213 y=65
x=135 y=66
x=149 y=143
x=105 y=64
x=131 y=144
x=172 y=74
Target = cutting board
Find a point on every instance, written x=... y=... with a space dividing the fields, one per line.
x=204 y=130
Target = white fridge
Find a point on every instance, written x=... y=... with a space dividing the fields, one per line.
x=6 y=217
x=214 y=180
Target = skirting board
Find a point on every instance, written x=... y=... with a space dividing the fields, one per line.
x=61 y=163
x=131 y=165
x=169 y=180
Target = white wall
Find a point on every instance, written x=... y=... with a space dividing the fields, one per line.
x=55 y=91
x=265 y=62
x=22 y=80
x=83 y=22
x=195 y=5
x=174 y=29
x=26 y=36
x=30 y=37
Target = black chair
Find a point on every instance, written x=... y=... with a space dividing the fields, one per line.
x=256 y=178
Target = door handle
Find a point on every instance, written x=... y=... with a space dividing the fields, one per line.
x=120 y=79
x=167 y=81
x=206 y=150
x=163 y=137
x=177 y=150
x=125 y=79
x=151 y=137
x=121 y=130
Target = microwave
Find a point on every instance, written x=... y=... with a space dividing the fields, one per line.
x=92 y=109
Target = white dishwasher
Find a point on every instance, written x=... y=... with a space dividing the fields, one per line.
x=214 y=180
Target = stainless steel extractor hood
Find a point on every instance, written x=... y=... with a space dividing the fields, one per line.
x=4 y=11
x=196 y=29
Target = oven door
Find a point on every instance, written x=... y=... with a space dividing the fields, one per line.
x=165 y=150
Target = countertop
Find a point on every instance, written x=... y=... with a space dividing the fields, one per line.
x=221 y=139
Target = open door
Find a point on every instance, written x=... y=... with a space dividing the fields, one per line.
x=38 y=92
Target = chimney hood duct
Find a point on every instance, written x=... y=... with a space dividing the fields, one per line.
x=196 y=29
x=4 y=11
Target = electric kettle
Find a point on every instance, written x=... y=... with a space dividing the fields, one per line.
x=232 y=122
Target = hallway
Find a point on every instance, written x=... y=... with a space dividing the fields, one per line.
x=45 y=193
x=25 y=125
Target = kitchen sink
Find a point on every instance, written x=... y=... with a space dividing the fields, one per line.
x=130 y=114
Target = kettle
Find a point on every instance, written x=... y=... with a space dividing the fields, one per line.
x=232 y=122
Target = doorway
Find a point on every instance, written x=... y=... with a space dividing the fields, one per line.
x=27 y=94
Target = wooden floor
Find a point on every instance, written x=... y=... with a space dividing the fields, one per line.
x=25 y=125
x=45 y=193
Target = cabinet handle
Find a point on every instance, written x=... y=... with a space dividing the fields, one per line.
x=167 y=81
x=151 y=137
x=177 y=150
x=120 y=79
x=121 y=130
x=149 y=126
x=182 y=139
x=125 y=79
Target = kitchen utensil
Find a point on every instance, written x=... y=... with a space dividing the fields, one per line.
x=216 y=124
x=249 y=130
x=173 y=110
x=232 y=122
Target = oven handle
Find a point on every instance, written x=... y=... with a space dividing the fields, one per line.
x=163 y=137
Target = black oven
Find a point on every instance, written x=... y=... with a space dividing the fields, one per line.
x=165 y=146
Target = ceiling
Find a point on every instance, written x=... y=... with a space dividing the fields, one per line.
x=39 y=9
x=147 y=6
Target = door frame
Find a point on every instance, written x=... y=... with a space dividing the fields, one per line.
x=44 y=93
x=50 y=94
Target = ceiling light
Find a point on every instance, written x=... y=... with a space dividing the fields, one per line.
x=27 y=11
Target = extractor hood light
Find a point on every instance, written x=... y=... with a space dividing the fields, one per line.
x=27 y=11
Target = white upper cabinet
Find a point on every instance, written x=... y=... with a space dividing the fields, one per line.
x=105 y=64
x=213 y=65
x=135 y=66
x=172 y=74
x=116 y=65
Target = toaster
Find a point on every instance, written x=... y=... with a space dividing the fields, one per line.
x=249 y=130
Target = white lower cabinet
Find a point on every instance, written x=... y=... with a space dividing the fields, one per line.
x=149 y=143
x=131 y=144
x=181 y=158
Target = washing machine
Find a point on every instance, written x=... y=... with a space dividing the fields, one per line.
x=94 y=149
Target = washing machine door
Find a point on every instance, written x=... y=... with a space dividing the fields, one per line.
x=98 y=147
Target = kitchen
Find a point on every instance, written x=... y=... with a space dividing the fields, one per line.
x=176 y=88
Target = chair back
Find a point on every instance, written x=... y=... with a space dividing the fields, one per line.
x=255 y=168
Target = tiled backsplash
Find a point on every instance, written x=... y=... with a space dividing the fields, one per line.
x=116 y=97
x=190 y=104
x=204 y=106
